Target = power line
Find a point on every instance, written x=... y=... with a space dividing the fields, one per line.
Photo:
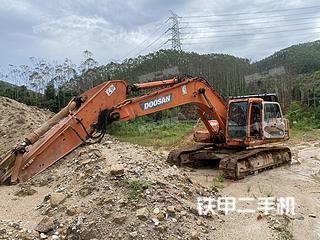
x=248 y=13
x=244 y=34
x=149 y=45
x=259 y=38
x=237 y=30
x=164 y=24
x=244 y=24
x=167 y=42
x=255 y=18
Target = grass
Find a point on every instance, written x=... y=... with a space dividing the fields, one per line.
x=304 y=122
x=269 y=194
x=135 y=187
x=148 y=133
x=217 y=181
x=300 y=134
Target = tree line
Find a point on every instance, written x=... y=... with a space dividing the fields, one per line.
x=42 y=83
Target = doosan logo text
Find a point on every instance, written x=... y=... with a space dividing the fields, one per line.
x=156 y=102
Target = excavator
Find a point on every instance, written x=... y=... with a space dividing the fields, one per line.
x=235 y=130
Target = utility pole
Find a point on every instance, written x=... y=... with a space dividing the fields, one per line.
x=175 y=32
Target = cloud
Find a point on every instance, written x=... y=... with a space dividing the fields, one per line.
x=114 y=29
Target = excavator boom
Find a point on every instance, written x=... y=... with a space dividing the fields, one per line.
x=64 y=132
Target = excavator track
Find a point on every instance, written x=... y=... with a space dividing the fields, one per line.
x=176 y=156
x=235 y=164
x=250 y=161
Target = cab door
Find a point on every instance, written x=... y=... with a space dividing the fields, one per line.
x=273 y=123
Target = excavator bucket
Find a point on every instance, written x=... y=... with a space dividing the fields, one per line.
x=64 y=132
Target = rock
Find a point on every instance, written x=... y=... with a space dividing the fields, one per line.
x=171 y=210
x=155 y=221
x=160 y=216
x=178 y=208
x=117 y=170
x=312 y=215
x=199 y=222
x=71 y=211
x=43 y=236
x=45 y=225
x=156 y=211
x=299 y=216
x=172 y=238
x=55 y=237
x=86 y=161
x=56 y=198
x=106 y=214
x=133 y=234
x=120 y=218
x=278 y=227
x=14 y=225
x=142 y=213
x=194 y=235
x=25 y=191
x=85 y=191
x=183 y=213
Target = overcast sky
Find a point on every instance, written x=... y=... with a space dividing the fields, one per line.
x=114 y=29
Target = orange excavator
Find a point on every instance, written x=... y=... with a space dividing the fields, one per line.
x=235 y=130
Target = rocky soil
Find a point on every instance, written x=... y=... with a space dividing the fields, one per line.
x=17 y=120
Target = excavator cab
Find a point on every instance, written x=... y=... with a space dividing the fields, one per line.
x=253 y=121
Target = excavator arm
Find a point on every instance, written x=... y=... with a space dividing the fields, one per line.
x=196 y=91
x=86 y=116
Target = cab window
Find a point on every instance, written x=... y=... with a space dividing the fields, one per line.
x=271 y=111
x=237 y=122
x=255 y=120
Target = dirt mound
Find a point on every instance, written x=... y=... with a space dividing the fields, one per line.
x=16 y=121
x=188 y=139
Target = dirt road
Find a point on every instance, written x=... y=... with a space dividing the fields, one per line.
x=300 y=180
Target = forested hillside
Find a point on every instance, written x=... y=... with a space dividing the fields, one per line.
x=19 y=93
x=225 y=72
x=301 y=80
x=300 y=58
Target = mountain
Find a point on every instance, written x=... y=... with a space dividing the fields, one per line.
x=300 y=58
x=6 y=85
x=293 y=73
